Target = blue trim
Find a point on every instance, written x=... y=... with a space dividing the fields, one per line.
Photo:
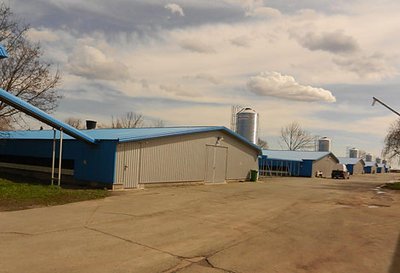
x=38 y=114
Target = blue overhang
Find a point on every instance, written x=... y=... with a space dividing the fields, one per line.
x=38 y=114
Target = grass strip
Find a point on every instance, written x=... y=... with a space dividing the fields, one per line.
x=15 y=196
x=393 y=186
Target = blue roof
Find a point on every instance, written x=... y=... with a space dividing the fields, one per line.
x=370 y=164
x=295 y=155
x=3 y=52
x=38 y=114
x=126 y=135
x=349 y=160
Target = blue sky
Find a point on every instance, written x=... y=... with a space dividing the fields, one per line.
x=186 y=62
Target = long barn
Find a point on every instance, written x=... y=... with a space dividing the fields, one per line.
x=297 y=163
x=353 y=165
x=132 y=158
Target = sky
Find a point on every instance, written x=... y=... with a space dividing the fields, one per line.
x=187 y=62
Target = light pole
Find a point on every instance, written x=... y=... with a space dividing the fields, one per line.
x=374 y=100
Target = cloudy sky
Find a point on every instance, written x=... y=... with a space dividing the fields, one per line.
x=186 y=62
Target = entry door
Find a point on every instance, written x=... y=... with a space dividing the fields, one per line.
x=128 y=164
x=216 y=163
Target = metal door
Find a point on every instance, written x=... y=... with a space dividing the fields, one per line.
x=128 y=164
x=216 y=163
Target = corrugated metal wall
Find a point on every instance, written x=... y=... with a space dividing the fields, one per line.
x=241 y=159
x=173 y=159
x=184 y=158
x=358 y=168
x=325 y=165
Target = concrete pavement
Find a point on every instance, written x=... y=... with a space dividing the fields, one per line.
x=280 y=225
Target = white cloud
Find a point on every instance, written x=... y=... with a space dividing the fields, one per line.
x=42 y=35
x=264 y=12
x=375 y=66
x=334 y=42
x=174 y=9
x=178 y=90
x=283 y=86
x=241 y=41
x=196 y=46
x=208 y=77
x=92 y=63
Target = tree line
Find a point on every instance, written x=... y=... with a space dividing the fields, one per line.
x=127 y=120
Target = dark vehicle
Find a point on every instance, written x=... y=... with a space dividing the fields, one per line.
x=340 y=174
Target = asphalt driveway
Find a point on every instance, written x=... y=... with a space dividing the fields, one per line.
x=279 y=225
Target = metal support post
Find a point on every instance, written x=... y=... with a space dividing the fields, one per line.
x=53 y=159
x=60 y=157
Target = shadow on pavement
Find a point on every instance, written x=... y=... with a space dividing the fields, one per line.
x=395 y=267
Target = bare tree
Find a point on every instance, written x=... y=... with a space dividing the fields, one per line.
x=263 y=144
x=362 y=154
x=391 y=148
x=24 y=74
x=5 y=124
x=158 y=123
x=74 y=122
x=293 y=138
x=128 y=120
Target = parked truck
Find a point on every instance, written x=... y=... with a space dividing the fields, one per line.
x=340 y=171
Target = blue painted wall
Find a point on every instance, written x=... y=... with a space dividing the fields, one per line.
x=367 y=169
x=297 y=168
x=91 y=162
x=350 y=168
x=306 y=168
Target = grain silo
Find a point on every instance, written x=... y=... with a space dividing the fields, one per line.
x=353 y=153
x=324 y=144
x=368 y=157
x=247 y=124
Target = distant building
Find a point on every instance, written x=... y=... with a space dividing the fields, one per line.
x=380 y=168
x=296 y=163
x=370 y=167
x=353 y=165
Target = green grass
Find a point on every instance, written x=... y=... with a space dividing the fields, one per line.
x=15 y=196
x=393 y=186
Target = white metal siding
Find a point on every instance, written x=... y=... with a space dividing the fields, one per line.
x=241 y=159
x=119 y=164
x=128 y=164
x=173 y=160
x=325 y=165
x=183 y=158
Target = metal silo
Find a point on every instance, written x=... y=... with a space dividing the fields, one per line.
x=368 y=157
x=324 y=144
x=353 y=153
x=247 y=124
